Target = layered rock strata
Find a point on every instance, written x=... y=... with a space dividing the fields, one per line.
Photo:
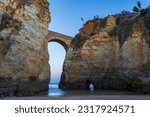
x=110 y=53
x=24 y=68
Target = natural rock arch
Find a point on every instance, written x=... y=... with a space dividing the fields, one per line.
x=64 y=40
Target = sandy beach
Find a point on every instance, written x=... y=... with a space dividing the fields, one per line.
x=102 y=95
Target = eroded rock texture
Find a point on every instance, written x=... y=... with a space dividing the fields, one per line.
x=111 y=53
x=24 y=68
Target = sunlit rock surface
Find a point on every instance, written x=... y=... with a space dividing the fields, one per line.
x=110 y=53
x=24 y=68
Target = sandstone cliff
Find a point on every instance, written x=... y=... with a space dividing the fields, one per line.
x=110 y=53
x=24 y=68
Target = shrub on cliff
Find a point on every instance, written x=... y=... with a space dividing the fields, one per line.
x=138 y=9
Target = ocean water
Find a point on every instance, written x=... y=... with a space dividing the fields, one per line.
x=55 y=91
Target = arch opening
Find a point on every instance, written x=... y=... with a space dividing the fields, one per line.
x=56 y=59
x=57 y=55
x=64 y=45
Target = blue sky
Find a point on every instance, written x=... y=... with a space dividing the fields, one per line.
x=66 y=19
x=66 y=14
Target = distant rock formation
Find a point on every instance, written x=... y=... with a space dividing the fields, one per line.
x=110 y=53
x=24 y=68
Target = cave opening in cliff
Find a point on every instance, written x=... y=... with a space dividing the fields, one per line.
x=90 y=86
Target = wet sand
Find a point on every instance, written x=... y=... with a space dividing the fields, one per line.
x=83 y=95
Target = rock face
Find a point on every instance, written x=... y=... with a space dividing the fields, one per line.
x=110 y=53
x=24 y=68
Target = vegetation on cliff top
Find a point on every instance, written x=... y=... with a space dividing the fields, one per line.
x=138 y=9
x=124 y=24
